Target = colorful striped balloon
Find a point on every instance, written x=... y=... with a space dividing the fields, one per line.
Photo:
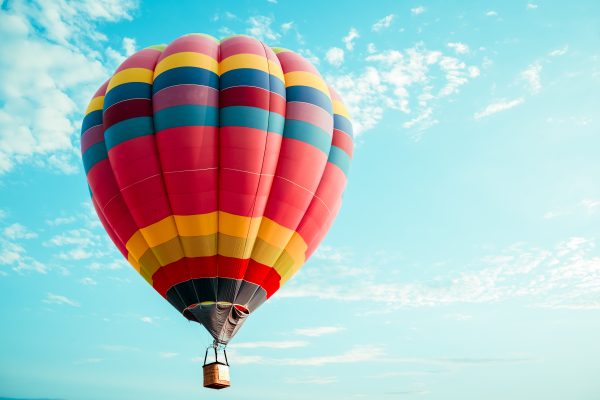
x=216 y=167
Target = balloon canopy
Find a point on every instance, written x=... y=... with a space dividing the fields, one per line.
x=216 y=168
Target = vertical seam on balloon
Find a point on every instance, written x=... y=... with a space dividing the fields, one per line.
x=218 y=258
x=259 y=180
x=308 y=207
x=168 y=201
x=133 y=219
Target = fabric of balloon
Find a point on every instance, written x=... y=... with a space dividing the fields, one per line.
x=216 y=168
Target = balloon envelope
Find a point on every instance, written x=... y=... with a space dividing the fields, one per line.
x=216 y=167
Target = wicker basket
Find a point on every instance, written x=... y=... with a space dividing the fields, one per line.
x=216 y=375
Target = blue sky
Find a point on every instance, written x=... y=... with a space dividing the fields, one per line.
x=463 y=265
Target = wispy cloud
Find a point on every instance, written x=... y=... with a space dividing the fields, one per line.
x=458 y=47
x=54 y=48
x=418 y=10
x=318 y=331
x=559 y=52
x=532 y=6
x=335 y=56
x=350 y=38
x=18 y=231
x=260 y=27
x=52 y=298
x=168 y=354
x=497 y=107
x=383 y=23
x=491 y=13
x=88 y=281
x=531 y=75
x=354 y=355
x=410 y=81
x=288 y=344
x=566 y=276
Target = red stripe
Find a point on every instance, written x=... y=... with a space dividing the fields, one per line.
x=252 y=97
x=192 y=43
x=343 y=141
x=216 y=266
x=92 y=136
x=125 y=110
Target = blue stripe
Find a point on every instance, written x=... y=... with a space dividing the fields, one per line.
x=92 y=119
x=340 y=158
x=186 y=115
x=93 y=155
x=311 y=95
x=307 y=133
x=128 y=129
x=252 y=77
x=186 y=76
x=131 y=90
x=252 y=117
x=343 y=124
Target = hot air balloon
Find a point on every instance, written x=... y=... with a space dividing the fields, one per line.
x=216 y=168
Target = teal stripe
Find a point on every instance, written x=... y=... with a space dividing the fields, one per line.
x=307 y=133
x=340 y=158
x=93 y=155
x=252 y=117
x=128 y=129
x=186 y=115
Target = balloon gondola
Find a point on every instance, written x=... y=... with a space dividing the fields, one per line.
x=216 y=168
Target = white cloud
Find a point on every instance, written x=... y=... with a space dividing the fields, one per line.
x=61 y=220
x=383 y=23
x=289 y=344
x=559 y=52
x=531 y=75
x=118 y=347
x=458 y=317
x=335 y=56
x=590 y=205
x=459 y=48
x=491 y=13
x=129 y=46
x=310 y=56
x=287 y=26
x=564 y=276
x=260 y=28
x=52 y=298
x=354 y=355
x=329 y=253
x=50 y=62
x=108 y=265
x=18 y=231
x=418 y=10
x=531 y=6
x=350 y=38
x=498 y=107
x=147 y=319
x=15 y=256
x=88 y=281
x=408 y=81
x=318 y=331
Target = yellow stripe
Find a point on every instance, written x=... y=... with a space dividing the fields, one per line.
x=197 y=225
x=160 y=232
x=136 y=245
x=303 y=78
x=186 y=59
x=340 y=109
x=253 y=61
x=96 y=104
x=130 y=75
x=204 y=235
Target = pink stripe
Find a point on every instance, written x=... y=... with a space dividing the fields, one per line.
x=101 y=90
x=142 y=59
x=291 y=61
x=92 y=136
x=241 y=45
x=343 y=141
x=192 y=43
x=185 y=94
x=310 y=113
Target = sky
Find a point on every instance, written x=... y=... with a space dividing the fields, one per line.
x=464 y=263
